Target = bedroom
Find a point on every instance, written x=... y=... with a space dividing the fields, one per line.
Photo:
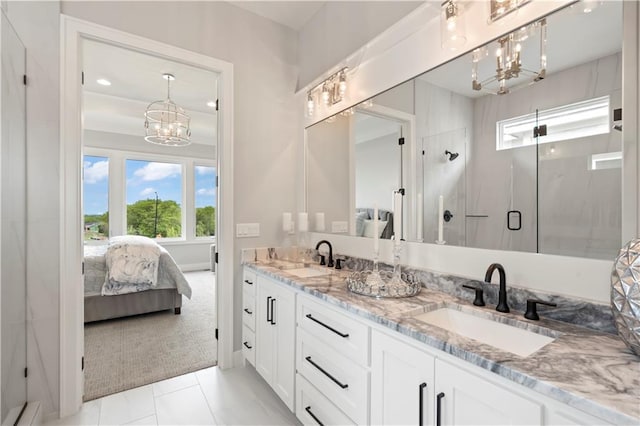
x=146 y=201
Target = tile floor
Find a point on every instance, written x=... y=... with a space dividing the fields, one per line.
x=237 y=396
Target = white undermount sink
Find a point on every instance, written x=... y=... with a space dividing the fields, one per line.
x=506 y=337
x=308 y=272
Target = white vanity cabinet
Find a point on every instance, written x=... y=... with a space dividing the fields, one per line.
x=411 y=386
x=275 y=336
x=402 y=383
x=249 y=316
x=332 y=361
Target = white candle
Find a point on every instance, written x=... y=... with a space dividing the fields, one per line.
x=419 y=217
x=303 y=222
x=376 y=232
x=441 y=219
x=320 y=222
x=397 y=216
x=287 y=222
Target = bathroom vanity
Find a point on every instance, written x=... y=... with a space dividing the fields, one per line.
x=360 y=360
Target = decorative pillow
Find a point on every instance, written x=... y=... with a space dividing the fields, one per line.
x=368 y=228
x=360 y=219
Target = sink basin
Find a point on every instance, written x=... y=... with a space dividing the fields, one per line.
x=308 y=272
x=506 y=337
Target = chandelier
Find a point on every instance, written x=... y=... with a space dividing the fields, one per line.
x=166 y=123
x=509 y=61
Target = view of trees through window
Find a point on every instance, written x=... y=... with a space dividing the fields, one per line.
x=96 y=197
x=154 y=194
x=205 y=196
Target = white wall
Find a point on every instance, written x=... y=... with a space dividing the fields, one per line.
x=340 y=28
x=377 y=166
x=37 y=24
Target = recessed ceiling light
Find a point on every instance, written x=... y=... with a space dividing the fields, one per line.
x=211 y=104
x=103 y=82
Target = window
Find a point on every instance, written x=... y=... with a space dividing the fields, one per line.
x=154 y=198
x=581 y=119
x=96 y=197
x=205 y=200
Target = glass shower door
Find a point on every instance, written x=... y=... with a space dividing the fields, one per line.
x=13 y=344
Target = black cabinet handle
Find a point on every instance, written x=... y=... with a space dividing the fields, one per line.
x=248 y=311
x=308 y=410
x=248 y=282
x=421 y=399
x=439 y=408
x=246 y=345
x=322 y=370
x=268 y=308
x=273 y=301
x=345 y=335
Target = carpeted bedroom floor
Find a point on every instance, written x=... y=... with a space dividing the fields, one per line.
x=126 y=353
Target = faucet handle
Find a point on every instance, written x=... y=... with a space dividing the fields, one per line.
x=322 y=259
x=479 y=299
x=339 y=263
x=532 y=311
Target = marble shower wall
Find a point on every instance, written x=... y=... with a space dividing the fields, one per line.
x=580 y=209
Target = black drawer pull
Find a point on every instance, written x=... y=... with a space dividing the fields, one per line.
x=246 y=345
x=345 y=335
x=248 y=282
x=421 y=399
x=268 y=308
x=439 y=409
x=308 y=410
x=273 y=321
x=248 y=311
x=322 y=370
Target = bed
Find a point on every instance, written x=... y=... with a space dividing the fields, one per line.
x=165 y=294
x=364 y=216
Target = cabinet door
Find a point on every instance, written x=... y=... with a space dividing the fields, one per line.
x=283 y=314
x=402 y=383
x=469 y=399
x=265 y=330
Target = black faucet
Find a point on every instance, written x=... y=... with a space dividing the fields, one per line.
x=502 y=294
x=330 y=262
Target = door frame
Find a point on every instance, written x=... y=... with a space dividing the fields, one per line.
x=73 y=31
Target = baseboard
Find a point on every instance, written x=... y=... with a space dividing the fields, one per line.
x=32 y=415
x=190 y=267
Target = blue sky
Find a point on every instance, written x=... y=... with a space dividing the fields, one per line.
x=144 y=179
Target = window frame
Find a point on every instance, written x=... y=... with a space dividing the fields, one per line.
x=118 y=188
x=200 y=163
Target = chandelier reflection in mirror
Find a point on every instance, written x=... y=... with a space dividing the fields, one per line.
x=165 y=122
x=329 y=92
x=509 y=61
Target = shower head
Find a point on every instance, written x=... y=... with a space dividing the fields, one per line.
x=452 y=155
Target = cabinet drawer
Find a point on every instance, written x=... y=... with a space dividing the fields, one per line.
x=341 y=332
x=334 y=375
x=313 y=408
x=249 y=345
x=249 y=310
x=249 y=281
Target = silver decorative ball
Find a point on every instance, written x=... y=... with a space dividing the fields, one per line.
x=625 y=294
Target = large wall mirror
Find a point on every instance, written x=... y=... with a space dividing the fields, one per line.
x=513 y=146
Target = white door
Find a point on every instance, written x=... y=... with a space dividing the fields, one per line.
x=468 y=399
x=264 y=329
x=402 y=383
x=283 y=315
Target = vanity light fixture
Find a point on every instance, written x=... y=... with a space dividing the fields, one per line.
x=452 y=26
x=328 y=92
x=509 y=60
x=166 y=123
x=500 y=8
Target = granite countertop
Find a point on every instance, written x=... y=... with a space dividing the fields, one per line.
x=586 y=369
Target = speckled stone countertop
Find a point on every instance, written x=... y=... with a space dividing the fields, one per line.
x=586 y=369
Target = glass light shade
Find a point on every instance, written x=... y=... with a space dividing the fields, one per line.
x=452 y=25
x=167 y=124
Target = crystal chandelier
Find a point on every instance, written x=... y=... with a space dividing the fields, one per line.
x=165 y=122
x=509 y=61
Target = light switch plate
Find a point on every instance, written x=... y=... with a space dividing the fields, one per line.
x=247 y=230
x=339 y=227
